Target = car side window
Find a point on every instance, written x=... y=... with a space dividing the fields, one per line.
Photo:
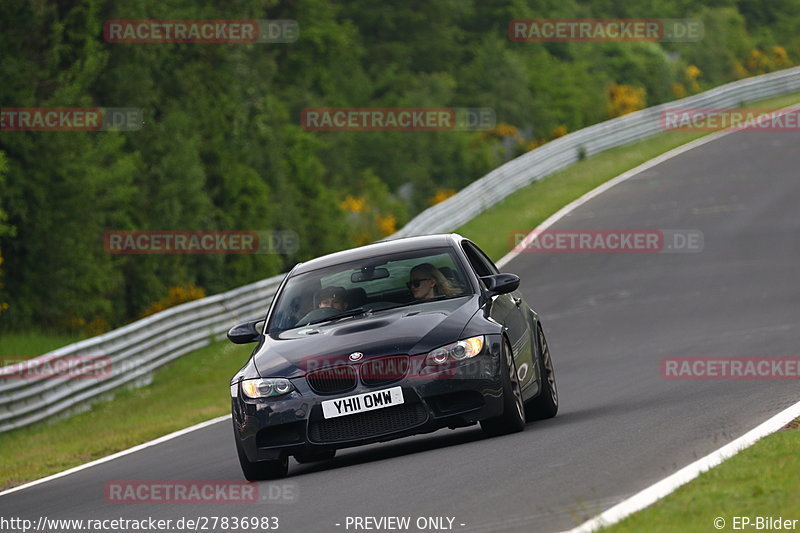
x=482 y=265
x=486 y=261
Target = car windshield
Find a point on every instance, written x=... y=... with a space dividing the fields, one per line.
x=358 y=287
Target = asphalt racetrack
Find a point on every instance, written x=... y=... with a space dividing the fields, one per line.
x=610 y=318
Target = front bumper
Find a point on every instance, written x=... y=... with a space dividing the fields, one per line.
x=461 y=395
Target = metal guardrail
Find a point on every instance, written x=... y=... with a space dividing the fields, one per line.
x=564 y=151
x=131 y=352
x=137 y=349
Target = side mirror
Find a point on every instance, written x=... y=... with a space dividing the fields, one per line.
x=501 y=283
x=244 y=333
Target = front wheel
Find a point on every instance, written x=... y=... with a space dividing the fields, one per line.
x=545 y=404
x=261 y=470
x=513 y=418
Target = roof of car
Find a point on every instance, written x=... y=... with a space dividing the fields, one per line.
x=379 y=248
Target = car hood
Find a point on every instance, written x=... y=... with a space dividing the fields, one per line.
x=413 y=329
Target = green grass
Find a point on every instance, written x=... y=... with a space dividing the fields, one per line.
x=525 y=209
x=27 y=344
x=187 y=391
x=194 y=388
x=760 y=481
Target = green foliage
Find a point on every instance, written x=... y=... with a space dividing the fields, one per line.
x=5 y=229
x=222 y=147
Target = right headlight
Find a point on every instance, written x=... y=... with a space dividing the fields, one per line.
x=266 y=387
x=456 y=351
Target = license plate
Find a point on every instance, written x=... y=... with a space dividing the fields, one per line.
x=369 y=401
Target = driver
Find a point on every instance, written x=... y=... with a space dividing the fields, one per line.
x=332 y=297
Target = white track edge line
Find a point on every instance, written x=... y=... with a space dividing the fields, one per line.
x=509 y=256
x=505 y=259
x=655 y=492
x=662 y=488
x=600 y=189
x=119 y=454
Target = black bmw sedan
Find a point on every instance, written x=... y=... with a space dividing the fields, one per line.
x=384 y=341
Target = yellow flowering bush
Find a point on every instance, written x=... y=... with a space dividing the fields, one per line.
x=175 y=296
x=387 y=224
x=739 y=70
x=692 y=73
x=441 y=195
x=533 y=144
x=559 y=131
x=780 y=58
x=96 y=326
x=371 y=210
x=501 y=131
x=760 y=62
x=89 y=328
x=353 y=204
x=757 y=62
x=624 y=99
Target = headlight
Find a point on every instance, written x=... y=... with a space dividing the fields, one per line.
x=267 y=387
x=457 y=351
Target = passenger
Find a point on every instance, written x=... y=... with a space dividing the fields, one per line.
x=331 y=297
x=426 y=281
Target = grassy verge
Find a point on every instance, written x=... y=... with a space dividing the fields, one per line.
x=27 y=344
x=187 y=391
x=194 y=388
x=525 y=209
x=760 y=481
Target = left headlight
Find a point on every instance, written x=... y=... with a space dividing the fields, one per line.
x=457 y=351
x=266 y=387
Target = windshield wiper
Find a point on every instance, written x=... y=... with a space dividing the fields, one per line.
x=343 y=314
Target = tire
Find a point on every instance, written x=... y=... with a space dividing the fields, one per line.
x=261 y=470
x=545 y=404
x=513 y=418
x=313 y=457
